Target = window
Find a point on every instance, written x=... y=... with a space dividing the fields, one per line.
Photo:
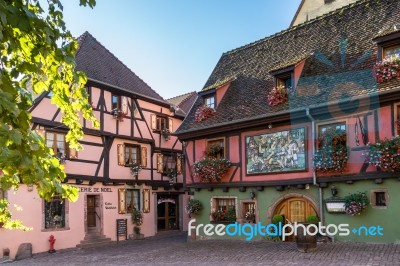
x=284 y=80
x=132 y=154
x=161 y=123
x=56 y=142
x=216 y=148
x=391 y=50
x=115 y=102
x=222 y=204
x=379 y=198
x=336 y=126
x=54 y=213
x=249 y=211
x=210 y=101
x=168 y=163
x=132 y=200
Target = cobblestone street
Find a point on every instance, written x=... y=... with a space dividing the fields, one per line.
x=172 y=249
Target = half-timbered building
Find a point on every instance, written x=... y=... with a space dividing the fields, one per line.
x=133 y=161
x=293 y=125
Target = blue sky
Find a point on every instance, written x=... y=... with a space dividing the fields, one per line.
x=173 y=45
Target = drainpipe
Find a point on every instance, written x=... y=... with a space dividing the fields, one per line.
x=320 y=194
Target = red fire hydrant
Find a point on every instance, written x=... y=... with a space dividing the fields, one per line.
x=52 y=240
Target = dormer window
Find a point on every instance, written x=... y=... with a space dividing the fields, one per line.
x=283 y=78
x=210 y=101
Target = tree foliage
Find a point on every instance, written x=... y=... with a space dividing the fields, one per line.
x=37 y=55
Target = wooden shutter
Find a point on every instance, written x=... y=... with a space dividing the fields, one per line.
x=73 y=153
x=160 y=166
x=170 y=124
x=143 y=157
x=146 y=200
x=153 y=119
x=121 y=200
x=124 y=105
x=178 y=164
x=121 y=154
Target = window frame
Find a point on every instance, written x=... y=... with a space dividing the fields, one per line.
x=65 y=209
x=159 y=123
x=284 y=74
x=332 y=123
x=373 y=198
x=385 y=42
x=209 y=142
x=132 y=191
x=118 y=103
x=138 y=154
x=211 y=98
x=54 y=148
x=174 y=157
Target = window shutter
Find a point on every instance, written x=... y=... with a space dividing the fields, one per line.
x=143 y=157
x=153 y=121
x=170 y=124
x=124 y=105
x=121 y=200
x=160 y=159
x=121 y=154
x=73 y=153
x=179 y=164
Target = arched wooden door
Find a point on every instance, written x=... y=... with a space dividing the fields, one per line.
x=296 y=210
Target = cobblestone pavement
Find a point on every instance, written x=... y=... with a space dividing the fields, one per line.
x=173 y=249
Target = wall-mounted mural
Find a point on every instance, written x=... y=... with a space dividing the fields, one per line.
x=281 y=151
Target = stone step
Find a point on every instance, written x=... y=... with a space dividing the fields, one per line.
x=97 y=236
x=95 y=240
x=96 y=244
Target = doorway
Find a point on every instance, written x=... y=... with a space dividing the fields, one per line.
x=167 y=212
x=295 y=210
x=91 y=211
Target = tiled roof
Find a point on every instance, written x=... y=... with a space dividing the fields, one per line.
x=184 y=101
x=339 y=56
x=100 y=64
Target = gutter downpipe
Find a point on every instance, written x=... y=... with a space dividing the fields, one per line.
x=320 y=194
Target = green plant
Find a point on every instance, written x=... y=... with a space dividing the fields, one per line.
x=210 y=169
x=214 y=149
x=312 y=219
x=356 y=203
x=231 y=214
x=228 y=215
x=277 y=218
x=332 y=153
x=193 y=207
x=165 y=133
x=136 y=230
x=137 y=217
x=135 y=168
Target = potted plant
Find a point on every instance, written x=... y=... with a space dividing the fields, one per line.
x=193 y=207
x=276 y=219
x=307 y=242
x=356 y=203
x=210 y=169
x=385 y=154
x=332 y=152
x=117 y=113
x=277 y=96
x=137 y=220
x=203 y=112
x=213 y=150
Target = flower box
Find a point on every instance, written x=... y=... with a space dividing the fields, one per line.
x=210 y=169
x=387 y=69
x=203 y=112
x=385 y=154
x=277 y=96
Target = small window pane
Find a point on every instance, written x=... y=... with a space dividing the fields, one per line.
x=393 y=50
x=210 y=101
x=55 y=213
x=115 y=102
x=380 y=199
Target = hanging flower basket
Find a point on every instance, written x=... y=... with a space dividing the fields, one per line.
x=214 y=149
x=171 y=174
x=332 y=153
x=277 y=96
x=193 y=207
x=135 y=168
x=210 y=169
x=387 y=69
x=165 y=133
x=385 y=154
x=203 y=112
x=356 y=203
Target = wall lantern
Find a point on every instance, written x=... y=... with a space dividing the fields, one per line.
x=252 y=195
x=334 y=204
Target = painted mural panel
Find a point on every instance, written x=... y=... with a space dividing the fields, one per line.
x=281 y=151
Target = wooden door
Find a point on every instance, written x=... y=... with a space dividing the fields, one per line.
x=91 y=211
x=295 y=210
x=167 y=215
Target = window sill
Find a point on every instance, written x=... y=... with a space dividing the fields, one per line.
x=55 y=229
